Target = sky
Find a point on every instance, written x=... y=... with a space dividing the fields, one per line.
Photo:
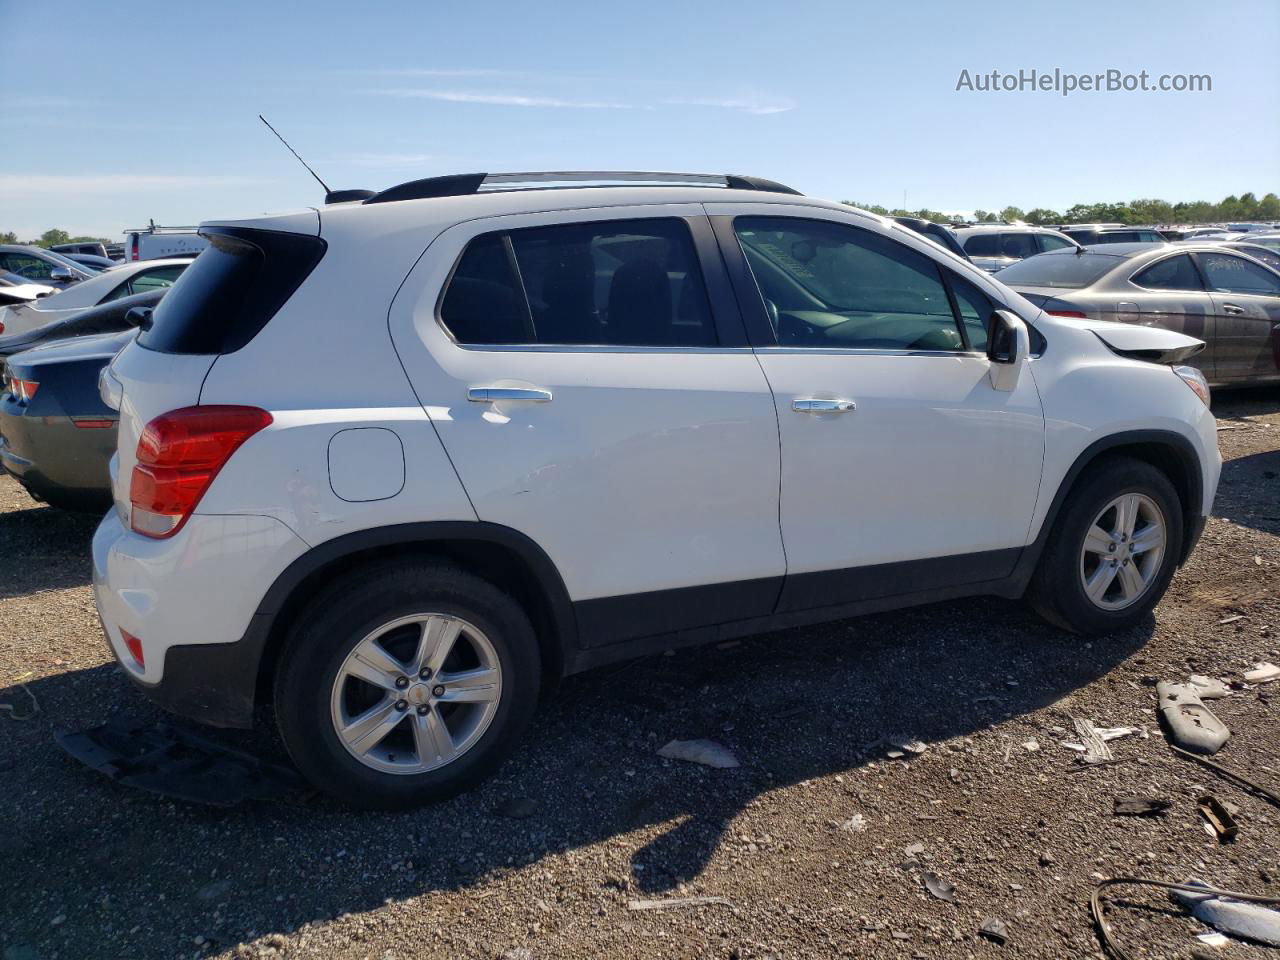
x=116 y=114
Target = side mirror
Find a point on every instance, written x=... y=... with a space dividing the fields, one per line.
x=139 y=317
x=62 y=275
x=1008 y=347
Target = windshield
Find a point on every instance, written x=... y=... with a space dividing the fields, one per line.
x=1069 y=270
x=68 y=262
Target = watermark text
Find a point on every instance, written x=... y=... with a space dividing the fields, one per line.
x=1065 y=82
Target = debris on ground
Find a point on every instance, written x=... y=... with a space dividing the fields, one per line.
x=1230 y=774
x=1232 y=619
x=900 y=745
x=1249 y=921
x=1141 y=806
x=677 y=903
x=1263 y=673
x=939 y=888
x=1188 y=722
x=855 y=824
x=1094 y=740
x=706 y=752
x=12 y=709
x=1211 y=938
x=172 y=762
x=994 y=929
x=1208 y=688
x=1218 y=819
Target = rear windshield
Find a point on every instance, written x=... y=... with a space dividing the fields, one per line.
x=231 y=290
x=1058 y=270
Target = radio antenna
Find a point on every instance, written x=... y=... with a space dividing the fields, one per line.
x=295 y=153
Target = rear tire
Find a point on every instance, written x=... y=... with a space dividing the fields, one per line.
x=1113 y=550
x=351 y=665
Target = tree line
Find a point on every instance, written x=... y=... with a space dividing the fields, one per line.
x=1244 y=207
x=52 y=237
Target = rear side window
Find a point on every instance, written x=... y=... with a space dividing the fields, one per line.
x=231 y=290
x=1173 y=273
x=1049 y=242
x=1070 y=270
x=618 y=282
x=1227 y=274
x=1019 y=246
x=982 y=245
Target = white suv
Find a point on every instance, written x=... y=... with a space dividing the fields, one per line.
x=397 y=464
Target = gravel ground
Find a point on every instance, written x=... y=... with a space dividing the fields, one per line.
x=817 y=844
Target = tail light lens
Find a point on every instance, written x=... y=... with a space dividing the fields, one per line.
x=179 y=454
x=1068 y=313
x=23 y=390
x=134 y=646
x=133 y=247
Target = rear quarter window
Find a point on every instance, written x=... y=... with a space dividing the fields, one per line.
x=1069 y=270
x=231 y=290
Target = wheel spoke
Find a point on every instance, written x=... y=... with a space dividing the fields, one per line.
x=431 y=737
x=374 y=665
x=1099 y=541
x=1127 y=513
x=367 y=730
x=1150 y=537
x=1131 y=582
x=1097 y=584
x=470 y=686
x=436 y=643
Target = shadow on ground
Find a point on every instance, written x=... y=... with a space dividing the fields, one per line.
x=37 y=539
x=792 y=705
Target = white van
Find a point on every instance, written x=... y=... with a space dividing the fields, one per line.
x=152 y=242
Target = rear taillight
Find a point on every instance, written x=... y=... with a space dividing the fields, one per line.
x=1068 y=313
x=133 y=247
x=23 y=390
x=179 y=454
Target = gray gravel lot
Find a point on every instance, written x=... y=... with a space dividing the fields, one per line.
x=544 y=860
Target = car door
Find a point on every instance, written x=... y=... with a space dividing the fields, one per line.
x=589 y=377
x=1246 y=306
x=1169 y=293
x=903 y=469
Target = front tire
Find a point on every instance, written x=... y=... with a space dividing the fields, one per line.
x=409 y=682
x=1112 y=551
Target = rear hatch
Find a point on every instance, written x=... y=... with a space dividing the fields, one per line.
x=227 y=295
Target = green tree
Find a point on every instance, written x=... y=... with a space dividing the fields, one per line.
x=1269 y=207
x=50 y=237
x=1012 y=213
x=1042 y=215
x=869 y=207
x=8 y=237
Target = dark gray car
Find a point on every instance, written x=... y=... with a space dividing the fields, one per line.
x=39 y=265
x=994 y=246
x=1208 y=291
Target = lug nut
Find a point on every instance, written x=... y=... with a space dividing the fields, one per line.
x=402 y=704
x=402 y=682
x=1111 y=548
x=425 y=674
x=437 y=691
x=423 y=710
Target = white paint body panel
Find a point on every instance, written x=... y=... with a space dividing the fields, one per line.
x=366 y=463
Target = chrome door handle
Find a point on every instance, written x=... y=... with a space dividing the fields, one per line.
x=1232 y=309
x=813 y=405
x=493 y=394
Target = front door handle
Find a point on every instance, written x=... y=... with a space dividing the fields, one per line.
x=1233 y=310
x=493 y=394
x=815 y=405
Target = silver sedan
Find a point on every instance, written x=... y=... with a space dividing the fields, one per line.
x=1222 y=296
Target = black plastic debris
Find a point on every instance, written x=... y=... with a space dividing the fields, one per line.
x=175 y=763
x=1141 y=806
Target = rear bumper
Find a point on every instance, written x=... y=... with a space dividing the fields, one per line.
x=191 y=601
x=54 y=459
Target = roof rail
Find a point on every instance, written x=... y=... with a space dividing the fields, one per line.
x=463 y=184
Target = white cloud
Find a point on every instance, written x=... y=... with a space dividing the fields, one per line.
x=755 y=104
x=502 y=99
x=29 y=185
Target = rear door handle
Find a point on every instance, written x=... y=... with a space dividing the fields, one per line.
x=1232 y=309
x=814 y=405
x=493 y=394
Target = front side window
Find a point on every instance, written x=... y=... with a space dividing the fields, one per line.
x=830 y=285
x=1172 y=273
x=982 y=245
x=26 y=266
x=975 y=310
x=619 y=282
x=1227 y=274
x=1049 y=242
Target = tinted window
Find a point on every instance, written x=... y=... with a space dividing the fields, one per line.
x=1083 y=237
x=982 y=245
x=26 y=266
x=1265 y=254
x=829 y=285
x=1058 y=270
x=1172 y=273
x=1048 y=241
x=1018 y=245
x=231 y=290
x=141 y=282
x=975 y=311
x=1227 y=274
x=621 y=282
